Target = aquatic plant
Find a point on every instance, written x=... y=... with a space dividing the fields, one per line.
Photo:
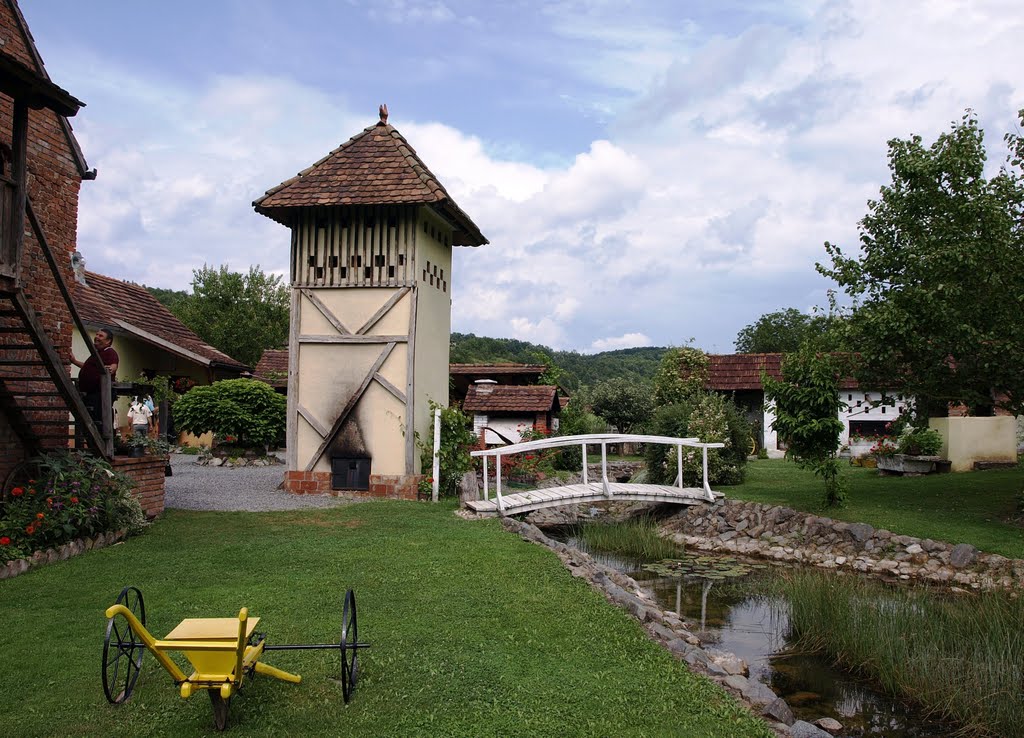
x=960 y=656
x=638 y=538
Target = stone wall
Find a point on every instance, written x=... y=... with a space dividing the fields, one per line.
x=783 y=534
x=386 y=486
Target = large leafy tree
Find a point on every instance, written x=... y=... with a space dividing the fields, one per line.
x=240 y=314
x=807 y=406
x=939 y=280
x=626 y=404
x=779 y=332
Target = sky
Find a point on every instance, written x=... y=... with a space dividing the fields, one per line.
x=647 y=173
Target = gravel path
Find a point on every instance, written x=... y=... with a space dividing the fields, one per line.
x=253 y=488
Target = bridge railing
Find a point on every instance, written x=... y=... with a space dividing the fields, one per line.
x=594 y=439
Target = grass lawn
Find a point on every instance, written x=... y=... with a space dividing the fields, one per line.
x=959 y=508
x=473 y=633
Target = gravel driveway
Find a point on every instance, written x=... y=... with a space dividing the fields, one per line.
x=251 y=488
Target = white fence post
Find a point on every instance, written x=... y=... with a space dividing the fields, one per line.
x=679 y=464
x=585 y=480
x=497 y=481
x=707 y=487
x=437 y=453
x=604 y=470
x=486 y=495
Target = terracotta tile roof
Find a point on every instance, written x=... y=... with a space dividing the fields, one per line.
x=538 y=398
x=273 y=361
x=502 y=368
x=743 y=371
x=124 y=306
x=375 y=167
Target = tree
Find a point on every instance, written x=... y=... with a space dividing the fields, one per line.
x=625 y=404
x=240 y=314
x=939 y=282
x=807 y=409
x=780 y=332
x=682 y=373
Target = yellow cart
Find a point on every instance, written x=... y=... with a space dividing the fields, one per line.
x=223 y=652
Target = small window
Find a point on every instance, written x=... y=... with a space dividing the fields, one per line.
x=883 y=411
x=319 y=272
x=431 y=280
x=850 y=398
x=368 y=272
x=424 y=275
x=333 y=262
x=401 y=260
x=391 y=272
x=444 y=286
x=311 y=261
x=378 y=260
x=344 y=272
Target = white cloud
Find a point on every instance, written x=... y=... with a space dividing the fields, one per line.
x=626 y=340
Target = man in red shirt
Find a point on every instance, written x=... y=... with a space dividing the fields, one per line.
x=91 y=373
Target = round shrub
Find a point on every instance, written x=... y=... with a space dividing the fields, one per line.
x=250 y=411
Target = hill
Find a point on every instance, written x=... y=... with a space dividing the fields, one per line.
x=580 y=369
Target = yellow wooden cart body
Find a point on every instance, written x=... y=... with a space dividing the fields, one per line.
x=217 y=648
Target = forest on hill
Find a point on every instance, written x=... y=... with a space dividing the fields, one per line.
x=577 y=369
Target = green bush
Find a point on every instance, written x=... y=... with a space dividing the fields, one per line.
x=246 y=409
x=711 y=418
x=576 y=420
x=65 y=496
x=457 y=440
x=919 y=442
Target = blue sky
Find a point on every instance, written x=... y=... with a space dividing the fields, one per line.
x=647 y=172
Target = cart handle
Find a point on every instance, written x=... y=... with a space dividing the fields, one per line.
x=148 y=640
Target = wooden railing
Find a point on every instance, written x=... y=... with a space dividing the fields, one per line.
x=596 y=439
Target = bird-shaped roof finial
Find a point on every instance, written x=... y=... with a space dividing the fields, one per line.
x=383 y=113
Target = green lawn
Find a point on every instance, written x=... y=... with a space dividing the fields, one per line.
x=959 y=508
x=474 y=633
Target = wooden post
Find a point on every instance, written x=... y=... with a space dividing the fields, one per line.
x=437 y=452
x=486 y=493
x=604 y=470
x=19 y=172
x=585 y=480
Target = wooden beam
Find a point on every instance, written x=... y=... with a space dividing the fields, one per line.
x=383 y=310
x=319 y=427
x=410 y=400
x=320 y=338
x=326 y=312
x=399 y=395
x=291 y=431
x=350 y=405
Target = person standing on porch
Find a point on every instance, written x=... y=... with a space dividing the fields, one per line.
x=91 y=372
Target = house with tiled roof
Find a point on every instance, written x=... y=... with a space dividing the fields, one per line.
x=148 y=338
x=464 y=375
x=501 y=413
x=272 y=368
x=372 y=235
x=739 y=377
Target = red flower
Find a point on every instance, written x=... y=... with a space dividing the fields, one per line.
x=74 y=500
x=39 y=516
x=17 y=492
x=30 y=528
x=5 y=541
x=49 y=502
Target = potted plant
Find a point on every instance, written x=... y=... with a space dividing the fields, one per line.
x=915 y=452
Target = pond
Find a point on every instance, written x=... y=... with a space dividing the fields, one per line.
x=733 y=613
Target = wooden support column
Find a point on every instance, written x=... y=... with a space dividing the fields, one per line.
x=19 y=170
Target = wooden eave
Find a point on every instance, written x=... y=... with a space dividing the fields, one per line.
x=20 y=82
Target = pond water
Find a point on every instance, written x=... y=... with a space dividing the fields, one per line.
x=735 y=615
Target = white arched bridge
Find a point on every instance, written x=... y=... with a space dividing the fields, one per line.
x=600 y=490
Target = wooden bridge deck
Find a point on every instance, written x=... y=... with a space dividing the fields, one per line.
x=573 y=494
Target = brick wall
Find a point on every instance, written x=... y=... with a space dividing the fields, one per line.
x=53 y=186
x=392 y=487
x=148 y=473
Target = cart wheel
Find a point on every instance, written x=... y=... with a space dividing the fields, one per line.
x=122 y=652
x=349 y=650
x=220 y=709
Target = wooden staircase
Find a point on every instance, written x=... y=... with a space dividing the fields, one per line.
x=38 y=397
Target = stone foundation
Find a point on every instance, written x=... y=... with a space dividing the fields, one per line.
x=148 y=474
x=384 y=486
x=783 y=534
x=62 y=553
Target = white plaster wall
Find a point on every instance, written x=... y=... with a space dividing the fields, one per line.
x=328 y=374
x=860 y=408
x=433 y=328
x=966 y=440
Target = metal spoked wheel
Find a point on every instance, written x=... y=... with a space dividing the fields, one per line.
x=349 y=650
x=220 y=709
x=122 y=651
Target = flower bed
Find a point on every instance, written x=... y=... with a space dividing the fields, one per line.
x=63 y=497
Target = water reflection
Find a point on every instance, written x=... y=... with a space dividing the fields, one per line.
x=737 y=615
